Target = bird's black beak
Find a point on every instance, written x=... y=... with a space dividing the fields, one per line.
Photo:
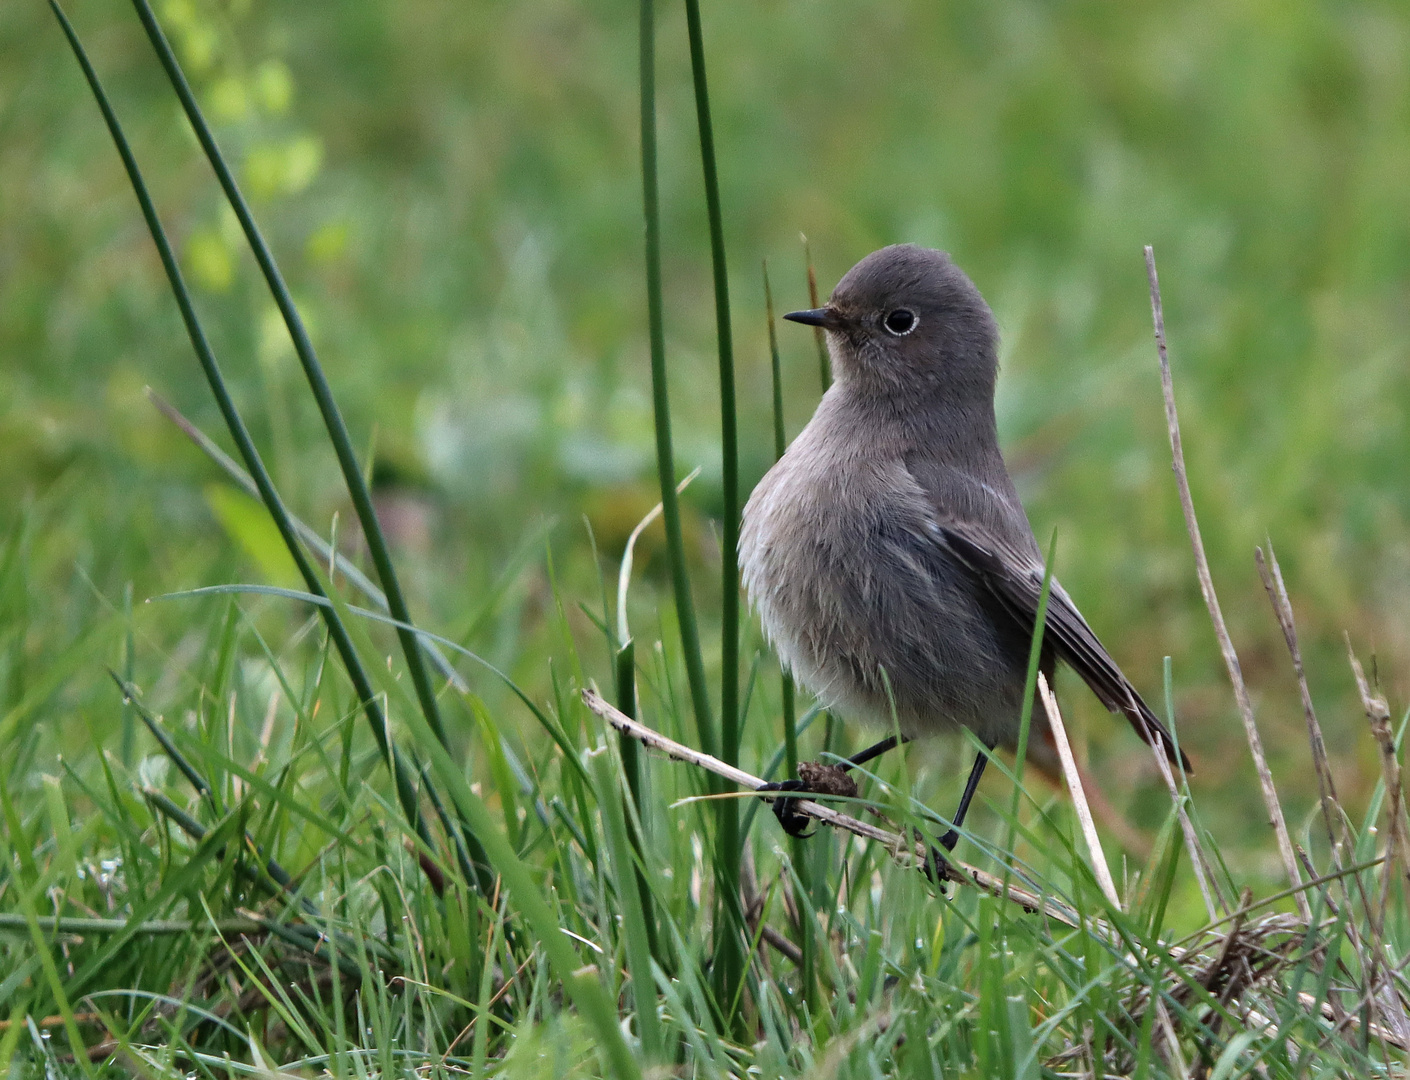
x=825 y=317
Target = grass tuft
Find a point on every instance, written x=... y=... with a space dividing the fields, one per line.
x=235 y=876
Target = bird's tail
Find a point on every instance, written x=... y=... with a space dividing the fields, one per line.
x=1149 y=727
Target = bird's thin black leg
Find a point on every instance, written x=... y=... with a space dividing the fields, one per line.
x=951 y=838
x=937 y=867
x=875 y=751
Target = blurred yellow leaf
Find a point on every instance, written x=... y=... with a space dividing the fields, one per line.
x=328 y=242
x=264 y=171
x=303 y=157
x=248 y=523
x=274 y=87
x=209 y=260
x=227 y=99
x=197 y=39
x=272 y=169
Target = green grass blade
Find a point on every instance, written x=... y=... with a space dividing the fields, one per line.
x=582 y=984
x=337 y=563
x=1030 y=691
x=324 y=601
x=629 y=895
x=624 y=672
x=625 y=664
x=192 y=774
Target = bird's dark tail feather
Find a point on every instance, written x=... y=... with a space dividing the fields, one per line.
x=1149 y=727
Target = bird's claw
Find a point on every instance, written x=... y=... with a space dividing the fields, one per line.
x=814 y=778
x=792 y=822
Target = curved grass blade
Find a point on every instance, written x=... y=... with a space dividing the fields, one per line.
x=323 y=601
x=325 y=551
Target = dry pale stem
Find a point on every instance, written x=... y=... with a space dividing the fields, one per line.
x=1079 y=795
x=1206 y=584
x=1378 y=713
x=1282 y=608
x=903 y=850
x=1338 y=836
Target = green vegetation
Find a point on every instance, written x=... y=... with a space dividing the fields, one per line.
x=206 y=866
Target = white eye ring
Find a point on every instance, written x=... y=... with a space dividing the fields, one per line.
x=907 y=319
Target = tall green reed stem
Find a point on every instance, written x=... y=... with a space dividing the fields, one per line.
x=660 y=397
x=819 y=337
x=625 y=677
x=790 y=733
x=729 y=960
x=1030 y=692
x=323 y=395
x=337 y=631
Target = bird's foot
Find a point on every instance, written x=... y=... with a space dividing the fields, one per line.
x=814 y=778
x=937 y=867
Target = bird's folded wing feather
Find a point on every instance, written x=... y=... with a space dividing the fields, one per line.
x=1016 y=580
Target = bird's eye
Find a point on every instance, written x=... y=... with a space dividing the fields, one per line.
x=900 y=322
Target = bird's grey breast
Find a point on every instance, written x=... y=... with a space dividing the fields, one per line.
x=841 y=556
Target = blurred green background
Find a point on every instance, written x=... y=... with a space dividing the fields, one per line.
x=453 y=191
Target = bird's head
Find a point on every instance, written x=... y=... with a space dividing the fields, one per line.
x=908 y=317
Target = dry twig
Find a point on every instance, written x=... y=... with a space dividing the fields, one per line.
x=1282 y=609
x=1206 y=584
x=904 y=850
x=1397 y=828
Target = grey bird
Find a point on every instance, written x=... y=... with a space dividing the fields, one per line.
x=887 y=552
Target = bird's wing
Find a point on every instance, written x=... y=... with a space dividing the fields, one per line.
x=1016 y=579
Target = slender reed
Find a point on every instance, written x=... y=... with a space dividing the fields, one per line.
x=1030 y=693
x=337 y=431
x=787 y=695
x=660 y=396
x=790 y=734
x=362 y=685
x=313 y=372
x=819 y=339
x=729 y=957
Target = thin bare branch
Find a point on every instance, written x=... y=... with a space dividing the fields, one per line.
x=1206 y=584
x=906 y=851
